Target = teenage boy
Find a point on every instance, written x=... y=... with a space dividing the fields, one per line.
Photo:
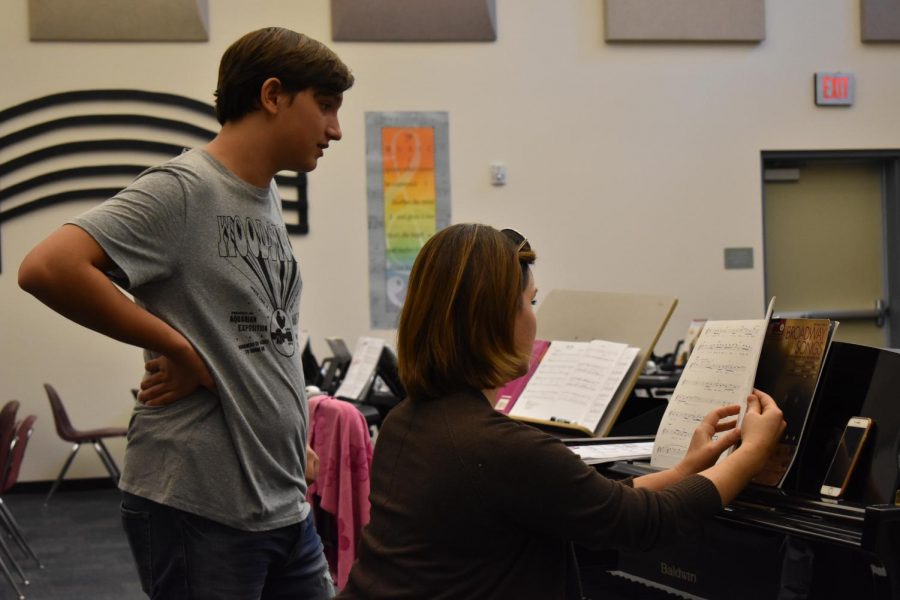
x=214 y=476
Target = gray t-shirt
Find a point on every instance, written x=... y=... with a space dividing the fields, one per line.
x=208 y=253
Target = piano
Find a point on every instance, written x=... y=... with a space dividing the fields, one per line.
x=789 y=543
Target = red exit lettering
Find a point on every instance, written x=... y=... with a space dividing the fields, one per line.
x=836 y=88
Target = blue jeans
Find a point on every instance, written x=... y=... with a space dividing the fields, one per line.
x=181 y=556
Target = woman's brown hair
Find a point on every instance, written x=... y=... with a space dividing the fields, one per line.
x=457 y=327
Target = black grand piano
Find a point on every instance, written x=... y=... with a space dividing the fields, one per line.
x=790 y=543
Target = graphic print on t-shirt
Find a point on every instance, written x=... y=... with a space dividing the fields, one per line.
x=261 y=251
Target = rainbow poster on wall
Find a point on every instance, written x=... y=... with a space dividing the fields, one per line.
x=408 y=201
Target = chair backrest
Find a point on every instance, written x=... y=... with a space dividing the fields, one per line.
x=23 y=434
x=7 y=430
x=60 y=416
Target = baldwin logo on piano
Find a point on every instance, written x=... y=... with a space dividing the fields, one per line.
x=677 y=572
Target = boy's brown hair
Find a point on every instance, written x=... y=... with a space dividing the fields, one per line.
x=297 y=60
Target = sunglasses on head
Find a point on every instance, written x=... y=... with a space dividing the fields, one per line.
x=517 y=238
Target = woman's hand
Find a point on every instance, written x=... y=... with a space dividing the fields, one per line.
x=761 y=429
x=762 y=426
x=704 y=451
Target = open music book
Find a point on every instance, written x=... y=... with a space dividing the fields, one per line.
x=572 y=385
x=720 y=371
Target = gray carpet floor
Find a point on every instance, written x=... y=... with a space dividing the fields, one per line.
x=80 y=541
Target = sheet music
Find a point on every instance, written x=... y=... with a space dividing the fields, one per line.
x=543 y=397
x=605 y=395
x=362 y=368
x=719 y=372
x=598 y=453
x=568 y=381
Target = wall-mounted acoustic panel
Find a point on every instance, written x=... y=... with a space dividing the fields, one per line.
x=413 y=21
x=880 y=20
x=119 y=20
x=685 y=20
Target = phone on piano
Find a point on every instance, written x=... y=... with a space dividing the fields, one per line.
x=846 y=456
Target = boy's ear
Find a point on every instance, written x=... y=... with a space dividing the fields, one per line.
x=268 y=94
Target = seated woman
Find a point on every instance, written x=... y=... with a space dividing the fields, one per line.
x=468 y=503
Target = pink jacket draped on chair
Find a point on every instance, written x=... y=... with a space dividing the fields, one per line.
x=339 y=435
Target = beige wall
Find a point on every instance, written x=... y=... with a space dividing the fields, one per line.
x=631 y=167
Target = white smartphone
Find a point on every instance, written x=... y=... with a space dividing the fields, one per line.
x=846 y=456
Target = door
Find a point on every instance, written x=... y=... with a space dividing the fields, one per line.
x=827 y=235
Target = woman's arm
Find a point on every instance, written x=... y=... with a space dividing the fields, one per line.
x=531 y=479
x=760 y=431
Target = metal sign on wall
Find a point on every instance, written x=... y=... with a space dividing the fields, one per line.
x=835 y=89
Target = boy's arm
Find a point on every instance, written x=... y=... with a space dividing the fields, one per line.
x=67 y=272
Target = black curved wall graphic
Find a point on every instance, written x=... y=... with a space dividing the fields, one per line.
x=76 y=138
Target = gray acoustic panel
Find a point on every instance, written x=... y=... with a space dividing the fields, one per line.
x=413 y=21
x=880 y=20
x=119 y=20
x=685 y=20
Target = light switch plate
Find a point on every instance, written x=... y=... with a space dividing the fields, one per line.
x=738 y=258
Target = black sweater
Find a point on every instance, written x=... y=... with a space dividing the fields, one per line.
x=468 y=503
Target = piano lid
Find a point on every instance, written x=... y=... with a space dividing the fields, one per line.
x=856 y=381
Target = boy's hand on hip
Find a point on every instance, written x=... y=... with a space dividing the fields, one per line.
x=169 y=379
x=312 y=465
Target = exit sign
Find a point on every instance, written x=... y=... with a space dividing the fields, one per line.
x=835 y=89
